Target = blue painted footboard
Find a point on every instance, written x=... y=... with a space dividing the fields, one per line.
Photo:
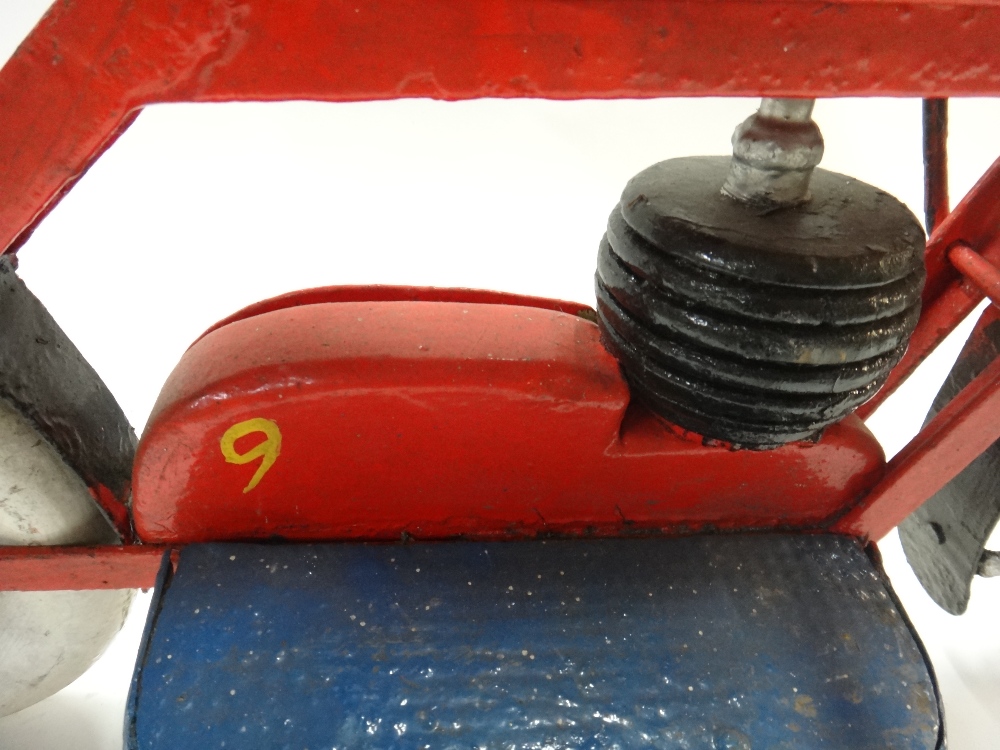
x=739 y=642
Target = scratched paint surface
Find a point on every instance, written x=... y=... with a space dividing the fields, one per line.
x=702 y=643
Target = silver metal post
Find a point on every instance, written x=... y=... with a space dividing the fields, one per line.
x=774 y=153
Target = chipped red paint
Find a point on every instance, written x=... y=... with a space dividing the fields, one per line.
x=445 y=419
x=72 y=568
x=89 y=67
x=116 y=511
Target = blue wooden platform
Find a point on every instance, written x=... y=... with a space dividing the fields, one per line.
x=703 y=643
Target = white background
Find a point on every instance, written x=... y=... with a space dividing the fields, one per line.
x=200 y=210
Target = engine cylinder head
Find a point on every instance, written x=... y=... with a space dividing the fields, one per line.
x=756 y=324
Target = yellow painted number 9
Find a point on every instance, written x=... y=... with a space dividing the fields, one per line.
x=267 y=450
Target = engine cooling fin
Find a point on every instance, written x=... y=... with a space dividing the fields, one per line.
x=756 y=325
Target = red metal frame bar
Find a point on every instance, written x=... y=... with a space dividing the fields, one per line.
x=87 y=68
x=948 y=297
x=76 y=568
x=116 y=509
x=977 y=270
x=954 y=438
x=975 y=222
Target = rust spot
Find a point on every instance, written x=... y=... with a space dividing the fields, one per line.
x=804 y=706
